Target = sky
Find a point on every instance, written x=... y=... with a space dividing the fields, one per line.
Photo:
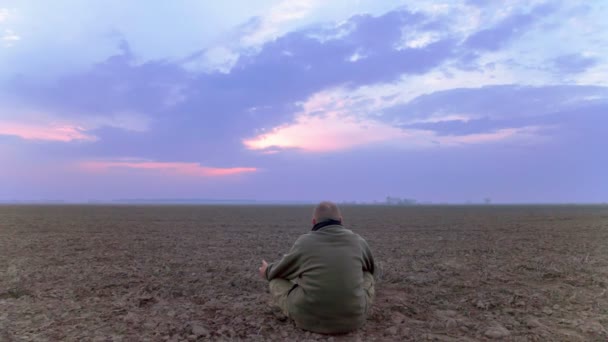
x=439 y=101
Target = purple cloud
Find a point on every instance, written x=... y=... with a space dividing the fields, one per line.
x=195 y=114
x=494 y=38
x=552 y=110
x=574 y=63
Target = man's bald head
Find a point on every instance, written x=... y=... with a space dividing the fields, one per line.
x=326 y=211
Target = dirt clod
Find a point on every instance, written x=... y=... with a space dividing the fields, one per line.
x=392 y=331
x=497 y=331
x=199 y=330
x=397 y=318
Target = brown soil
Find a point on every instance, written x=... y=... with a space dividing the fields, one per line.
x=128 y=273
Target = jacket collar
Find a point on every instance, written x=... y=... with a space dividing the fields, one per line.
x=325 y=224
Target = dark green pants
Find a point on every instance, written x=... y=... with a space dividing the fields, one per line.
x=279 y=289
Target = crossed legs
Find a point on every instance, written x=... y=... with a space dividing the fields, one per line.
x=279 y=289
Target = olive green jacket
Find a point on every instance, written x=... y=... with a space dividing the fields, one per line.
x=327 y=267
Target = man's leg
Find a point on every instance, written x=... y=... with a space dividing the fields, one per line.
x=368 y=286
x=279 y=289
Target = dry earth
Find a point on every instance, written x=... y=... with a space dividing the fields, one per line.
x=184 y=273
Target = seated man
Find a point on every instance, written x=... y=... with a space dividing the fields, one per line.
x=325 y=283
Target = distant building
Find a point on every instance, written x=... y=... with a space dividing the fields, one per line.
x=399 y=201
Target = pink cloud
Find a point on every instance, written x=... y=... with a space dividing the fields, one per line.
x=65 y=133
x=188 y=169
x=326 y=123
x=329 y=122
x=335 y=132
x=324 y=133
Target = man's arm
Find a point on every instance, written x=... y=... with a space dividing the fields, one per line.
x=368 y=257
x=288 y=267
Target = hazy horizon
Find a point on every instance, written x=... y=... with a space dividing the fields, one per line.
x=153 y=201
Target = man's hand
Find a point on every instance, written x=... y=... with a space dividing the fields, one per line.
x=263 y=268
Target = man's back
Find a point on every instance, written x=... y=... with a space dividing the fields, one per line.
x=328 y=267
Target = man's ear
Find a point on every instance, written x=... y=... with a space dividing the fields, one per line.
x=341 y=219
x=314 y=221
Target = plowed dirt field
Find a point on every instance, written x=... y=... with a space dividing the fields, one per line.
x=185 y=273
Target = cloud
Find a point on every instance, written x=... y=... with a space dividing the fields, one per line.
x=323 y=125
x=418 y=40
x=515 y=25
x=213 y=110
x=515 y=101
x=216 y=59
x=341 y=119
x=333 y=132
x=128 y=121
x=117 y=85
x=431 y=89
x=258 y=98
x=324 y=133
x=334 y=43
x=327 y=125
x=529 y=132
x=34 y=124
x=315 y=64
x=249 y=38
x=574 y=63
x=474 y=111
x=52 y=132
x=172 y=168
x=269 y=26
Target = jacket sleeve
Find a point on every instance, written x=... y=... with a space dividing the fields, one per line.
x=368 y=257
x=289 y=266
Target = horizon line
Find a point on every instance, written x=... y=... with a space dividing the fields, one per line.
x=203 y=201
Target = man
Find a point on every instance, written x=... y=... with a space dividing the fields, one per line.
x=326 y=282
